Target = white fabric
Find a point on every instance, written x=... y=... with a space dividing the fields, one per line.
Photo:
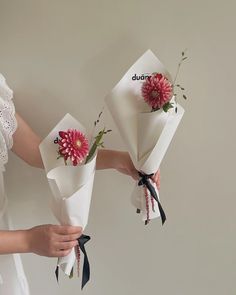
x=12 y=277
x=8 y=122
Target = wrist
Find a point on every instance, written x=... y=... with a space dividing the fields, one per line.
x=24 y=241
x=120 y=159
x=109 y=159
x=28 y=240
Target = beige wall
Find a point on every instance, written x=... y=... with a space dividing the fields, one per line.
x=64 y=56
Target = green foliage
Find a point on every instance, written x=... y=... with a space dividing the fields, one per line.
x=167 y=106
x=97 y=143
x=183 y=58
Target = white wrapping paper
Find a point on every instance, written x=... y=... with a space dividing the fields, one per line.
x=71 y=186
x=146 y=134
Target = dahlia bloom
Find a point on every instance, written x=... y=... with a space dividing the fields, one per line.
x=157 y=91
x=73 y=145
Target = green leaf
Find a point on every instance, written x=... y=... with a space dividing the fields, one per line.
x=182 y=53
x=184 y=96
x=167 y=106
x=100 y=114
x=184 y=58
x=97 y=143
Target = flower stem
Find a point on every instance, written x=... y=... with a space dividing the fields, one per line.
x=178 y=68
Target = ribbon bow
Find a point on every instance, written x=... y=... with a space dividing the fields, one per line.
x=83 y=239
x=145 y=181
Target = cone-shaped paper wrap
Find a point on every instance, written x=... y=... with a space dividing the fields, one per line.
x=71 y=185
x=146 y=134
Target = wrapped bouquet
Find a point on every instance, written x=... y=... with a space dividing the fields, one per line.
x=69 y=160
x=144 y=107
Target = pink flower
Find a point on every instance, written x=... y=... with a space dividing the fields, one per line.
x=74 y=145
x=157 y=91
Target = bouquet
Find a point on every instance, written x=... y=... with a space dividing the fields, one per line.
x=70 y=160
x=144 y=107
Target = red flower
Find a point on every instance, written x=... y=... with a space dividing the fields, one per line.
x=157 y=91
x=74 y=145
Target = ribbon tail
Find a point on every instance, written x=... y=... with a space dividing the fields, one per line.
x=162 y=213
x=57 y=273
x=86 y=267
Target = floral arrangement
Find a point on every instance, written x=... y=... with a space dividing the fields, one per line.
x=158 y=91
x=73 y=146
x=147 y=134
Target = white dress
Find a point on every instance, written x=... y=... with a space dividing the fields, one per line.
x=12 y=277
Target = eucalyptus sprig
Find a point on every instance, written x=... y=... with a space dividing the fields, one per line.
x=97 y=139
x=178 y=86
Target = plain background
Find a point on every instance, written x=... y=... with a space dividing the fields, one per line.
x=64 y=56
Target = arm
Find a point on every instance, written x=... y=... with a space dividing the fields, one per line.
x=26 y=144
x=13 y=242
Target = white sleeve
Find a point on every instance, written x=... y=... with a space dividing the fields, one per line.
x=8 y=123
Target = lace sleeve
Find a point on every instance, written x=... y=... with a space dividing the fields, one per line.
x=8 y=123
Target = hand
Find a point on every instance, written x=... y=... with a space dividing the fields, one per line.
x=53 y=240
x=125 y=165
x=156 y=178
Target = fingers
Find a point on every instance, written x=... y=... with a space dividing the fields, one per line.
x=63 y=248
x=156 y=179
x=66 y=245
x=69 y=238
x=65 y=239
x=68 y=230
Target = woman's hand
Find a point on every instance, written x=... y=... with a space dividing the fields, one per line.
x=53 y=240
x=125 y=165
x=122 y=162
x=156 y=178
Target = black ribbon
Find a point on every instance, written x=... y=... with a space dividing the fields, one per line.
x=86 y=268
x=83 y=239
x=144 y=181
